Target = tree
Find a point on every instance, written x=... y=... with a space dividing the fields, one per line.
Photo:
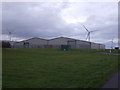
x=6 y=44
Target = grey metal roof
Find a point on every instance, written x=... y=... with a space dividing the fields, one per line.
x=59 y=38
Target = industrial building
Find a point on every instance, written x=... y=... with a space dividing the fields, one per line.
x=31 y=43
x=56 y=43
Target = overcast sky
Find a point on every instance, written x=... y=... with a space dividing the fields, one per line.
x=52 y=19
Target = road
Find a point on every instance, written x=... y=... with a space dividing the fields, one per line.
x=114 y=81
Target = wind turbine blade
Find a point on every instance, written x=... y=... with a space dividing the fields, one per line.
x=94 y=30
x=112 y=40
x=87 y=36
x=86 y=28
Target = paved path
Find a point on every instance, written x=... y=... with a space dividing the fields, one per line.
x=114 y=82
x=109 y=53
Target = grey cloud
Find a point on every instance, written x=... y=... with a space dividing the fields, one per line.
x=26 y=19
x=45 y=20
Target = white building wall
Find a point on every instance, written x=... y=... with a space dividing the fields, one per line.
x=102 y=46
x=95 y=46
x=33 y=43
x=59 y=41
x=82 y=45
x=18 y=44
x=37 y=41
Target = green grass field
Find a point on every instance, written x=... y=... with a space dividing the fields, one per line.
x=53 y=68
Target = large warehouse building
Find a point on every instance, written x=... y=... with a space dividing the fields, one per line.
x=56 y=43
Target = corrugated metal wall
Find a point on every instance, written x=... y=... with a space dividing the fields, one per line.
x=83 y=45
x=56 y=43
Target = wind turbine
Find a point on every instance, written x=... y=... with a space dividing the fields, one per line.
x=89 y=33
x=9 y=34
x=112 y=43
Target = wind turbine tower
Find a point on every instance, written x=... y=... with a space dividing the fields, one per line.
x=89 y=33
x=9 y=35
x=112 y=43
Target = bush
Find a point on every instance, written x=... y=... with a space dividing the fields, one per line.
x=6 y=44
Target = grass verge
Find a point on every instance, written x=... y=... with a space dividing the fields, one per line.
x=53 y=68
